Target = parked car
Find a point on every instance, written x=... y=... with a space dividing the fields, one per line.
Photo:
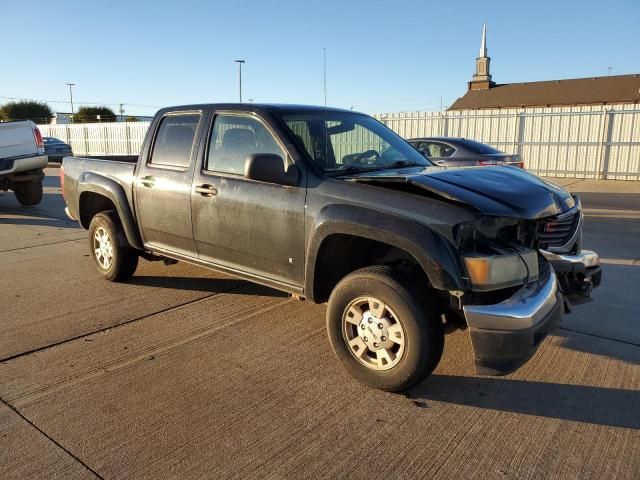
x=56 y=149
x=22 y=158
x=333 y=206
x=459 y=152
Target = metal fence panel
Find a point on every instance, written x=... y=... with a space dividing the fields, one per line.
x=578 y=142
x=117 y=138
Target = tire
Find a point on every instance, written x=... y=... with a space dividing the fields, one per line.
x=28 y=193
x=109 y=248
x=419 y=340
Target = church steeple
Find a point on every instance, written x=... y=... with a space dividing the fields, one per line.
x=482 y=77
x=483 y=44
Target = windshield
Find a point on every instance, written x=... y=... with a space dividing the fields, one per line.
x=342 y=143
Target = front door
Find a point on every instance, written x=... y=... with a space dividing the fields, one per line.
x=163 y=184
x=246 y=225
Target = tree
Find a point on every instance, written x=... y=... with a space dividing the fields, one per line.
x=131 y=118
x=39 y=112
x=90 y=115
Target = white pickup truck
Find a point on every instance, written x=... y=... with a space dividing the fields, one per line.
x=22 y=159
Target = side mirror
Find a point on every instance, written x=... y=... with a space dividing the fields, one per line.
x=269 y=168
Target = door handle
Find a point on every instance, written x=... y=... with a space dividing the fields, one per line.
x=148 y=181
x=206 y=190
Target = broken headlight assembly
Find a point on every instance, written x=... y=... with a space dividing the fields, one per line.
x=497 y=252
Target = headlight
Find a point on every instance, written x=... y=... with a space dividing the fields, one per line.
x=491 y=272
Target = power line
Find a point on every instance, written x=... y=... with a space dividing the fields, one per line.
x=83 y=102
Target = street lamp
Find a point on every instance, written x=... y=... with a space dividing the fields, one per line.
x=71 y=97
x=240 y=62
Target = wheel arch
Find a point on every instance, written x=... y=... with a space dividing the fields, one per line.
x=98 y=194
x=341 y=230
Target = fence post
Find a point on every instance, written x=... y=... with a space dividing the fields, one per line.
x=518 y=133
x=604 y=145
x=606 y=141
x=516 y=130
x=127 y=138
x=106 y=140
x=521 y=125
x=86 y=140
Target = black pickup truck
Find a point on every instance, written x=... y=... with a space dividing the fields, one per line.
x=332 y=206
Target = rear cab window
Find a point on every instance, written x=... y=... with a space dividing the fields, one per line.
x=174 y=141
x=436 y=149
x=234 y=138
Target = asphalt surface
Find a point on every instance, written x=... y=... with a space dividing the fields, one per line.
x=185 y=373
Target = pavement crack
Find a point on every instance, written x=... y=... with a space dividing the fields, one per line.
x=110 y=327
x=626 y=342
x=51 y=439
x=41 y=245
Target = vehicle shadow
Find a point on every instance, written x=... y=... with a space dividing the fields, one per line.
x=38 y=221
x=51 y=181
x=585 y=342
x=203 y=284
x=578 y=403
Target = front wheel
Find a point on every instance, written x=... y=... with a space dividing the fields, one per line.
x=28 y=193
x=382 y=332
x=111 y=252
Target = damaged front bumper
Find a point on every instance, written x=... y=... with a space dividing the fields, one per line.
x=578 y=274
x=505 y=335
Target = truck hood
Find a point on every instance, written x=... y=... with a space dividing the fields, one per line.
x=497 y=191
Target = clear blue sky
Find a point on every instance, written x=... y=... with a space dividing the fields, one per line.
x=381 y=55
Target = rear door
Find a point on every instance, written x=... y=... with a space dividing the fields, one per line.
x=245 y=225
x=163 y=183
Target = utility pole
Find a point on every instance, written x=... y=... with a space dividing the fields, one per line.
x=71 y=85
x=324 y=71
x=609 y=68
x=121 y=112
x=240 y=62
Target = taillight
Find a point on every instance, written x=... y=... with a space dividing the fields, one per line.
x=62 y=180
x=38 y=136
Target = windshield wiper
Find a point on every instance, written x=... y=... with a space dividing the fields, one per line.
x=350 y=169
x=404 y=163
x=372 y=168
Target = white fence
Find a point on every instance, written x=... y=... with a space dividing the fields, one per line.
x=586 y=143
x=589 y=142
x=118 y=138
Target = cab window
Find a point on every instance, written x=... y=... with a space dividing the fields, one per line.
x=174 y=141
x=233 y=138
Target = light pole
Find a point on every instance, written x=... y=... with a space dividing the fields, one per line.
x=71 y=97
x=240 y=62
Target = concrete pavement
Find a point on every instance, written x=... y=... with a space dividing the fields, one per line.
x=185 y=373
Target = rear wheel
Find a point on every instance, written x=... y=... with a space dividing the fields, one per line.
x=382 y=332
x=28 y=193
x=110 y=250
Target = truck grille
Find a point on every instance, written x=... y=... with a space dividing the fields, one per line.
x=556 y=232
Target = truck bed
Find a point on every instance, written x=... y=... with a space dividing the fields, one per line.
x=79 y=170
